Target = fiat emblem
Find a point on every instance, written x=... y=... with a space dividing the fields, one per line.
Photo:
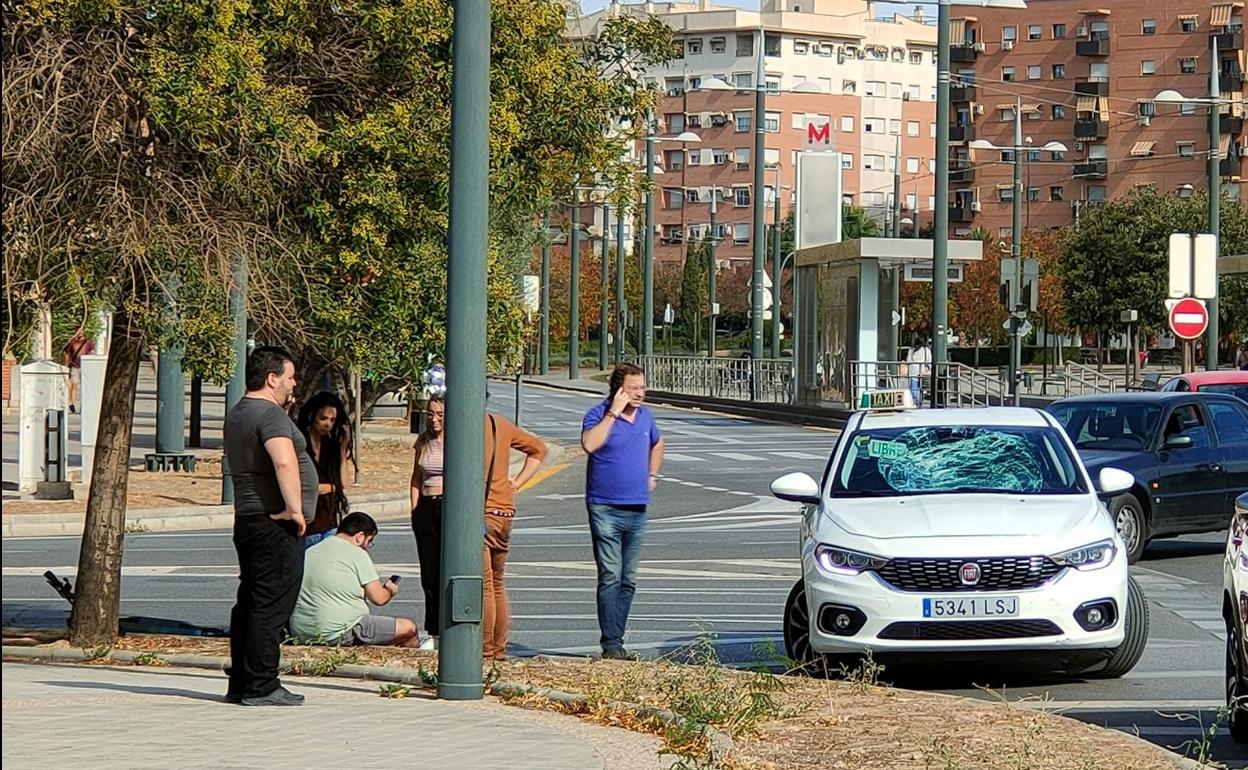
x=969 y=573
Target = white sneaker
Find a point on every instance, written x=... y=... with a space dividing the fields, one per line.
x=429 y=644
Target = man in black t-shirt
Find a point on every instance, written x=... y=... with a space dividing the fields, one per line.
x=274 y=484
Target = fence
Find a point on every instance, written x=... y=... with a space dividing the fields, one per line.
x=745 y=379
x=955 y=384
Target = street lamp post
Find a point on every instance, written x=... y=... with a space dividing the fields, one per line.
x=775 y=269
x=760 y=245
x=712 y=275
x=604 y=307
x=544 y=336
x=619 y=286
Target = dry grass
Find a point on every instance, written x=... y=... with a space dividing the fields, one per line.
x=804 y=723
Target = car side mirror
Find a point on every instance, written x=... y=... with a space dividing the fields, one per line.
x=796 y=488
x=1178 y=441
x=1113 y=481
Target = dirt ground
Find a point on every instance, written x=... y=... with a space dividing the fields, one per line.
x=776 y=722
x=385 y=466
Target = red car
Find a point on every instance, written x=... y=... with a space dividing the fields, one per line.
x=1230 y=382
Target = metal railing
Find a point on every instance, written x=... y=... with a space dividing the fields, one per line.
x=956 y=385
x=1080 y=380
x=743 y=379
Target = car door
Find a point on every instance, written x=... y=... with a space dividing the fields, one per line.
x=1192 y=482
x=1230 y=422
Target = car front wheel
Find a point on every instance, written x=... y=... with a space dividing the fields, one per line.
x=1127 y=654
x=1132 y=524
x=797 y=627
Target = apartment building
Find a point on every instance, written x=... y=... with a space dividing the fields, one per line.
x=828 y=63
x=1087 y=75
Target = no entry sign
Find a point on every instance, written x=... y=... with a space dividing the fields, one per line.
x=1189 y=318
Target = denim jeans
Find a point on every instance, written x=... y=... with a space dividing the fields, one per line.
x=617 y=533
x=916 y=391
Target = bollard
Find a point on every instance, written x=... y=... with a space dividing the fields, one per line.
x=54 y=486
x=518 y=383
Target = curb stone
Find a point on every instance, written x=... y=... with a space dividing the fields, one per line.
x=382 y=506
x=720 y=743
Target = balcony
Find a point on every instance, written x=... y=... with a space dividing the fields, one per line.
x=967 y=53
x=1093 y=168
x=1092 y=87
x=1091 y=129
x=1228 y=41
x=1232 y=167
x=1092 y=47
x=1231 y=82
x=962 y=211
x=960 y=172
x=961 y=133
x=1227 y=124
x=961 y=93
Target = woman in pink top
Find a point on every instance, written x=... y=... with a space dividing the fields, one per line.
x=427 y=474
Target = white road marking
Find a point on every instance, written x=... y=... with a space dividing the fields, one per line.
x=798 y=455
x=679 y=458
x=739 y=456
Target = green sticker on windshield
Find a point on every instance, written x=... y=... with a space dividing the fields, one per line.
x=886 y=450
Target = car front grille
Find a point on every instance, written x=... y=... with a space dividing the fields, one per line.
x=961 y=630
x=1009 y=573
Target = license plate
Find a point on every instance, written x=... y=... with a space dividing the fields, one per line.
x=975 y=607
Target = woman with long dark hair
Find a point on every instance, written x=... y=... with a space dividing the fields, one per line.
x=323 y=422
x=427 y=474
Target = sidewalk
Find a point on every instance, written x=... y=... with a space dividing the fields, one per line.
x=108 y=718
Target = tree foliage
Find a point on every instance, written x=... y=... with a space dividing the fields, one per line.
x=694 y=285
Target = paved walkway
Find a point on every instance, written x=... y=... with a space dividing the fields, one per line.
x=108 y=718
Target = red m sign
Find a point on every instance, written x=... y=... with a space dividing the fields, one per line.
x=819 y=133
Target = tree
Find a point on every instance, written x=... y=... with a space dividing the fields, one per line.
x=693 y=293
x=855 y=223
x=975 y=303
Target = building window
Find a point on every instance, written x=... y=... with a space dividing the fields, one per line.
x=912 y=128
x=914 y=92
x=1055 y=193
x=894 y=126
x=745 y=44
x=675 y=198
x=675 y=122
x=772 y=123
x=1148 y=27
x=894 y=90
x=742 y=158
x=1007 y=156
x=674 y=86
x=1059 y=112
x=873 y=162
x=1033 y=155
x=875 y=88
x=1007 y=74
x=916 y=57
x=1033 y=72
x=1059 y=71
x=695 y=82
x=1009 y=34
x=675 y=160
x=743 y=122
x=1100 y=30
x=1187 y=149
x=1034 y=32
x=1098 y=72
x=771 y=45
x=849 y=86
x=1057 y=155
x=693 y=46
x=1187 y=65
x=772 y=84
x=1059 y=31
x=912 y=200
x=741 y=196
x=1187 y=108
x=1007 y=114
x=847 y=160
x=743 y=80
x=1187 y=24
x=873 y=125
x=847 y=124
x=1096 y=193
x=1005 y=194
x=912 y=165
x=873 y=199
x=741 y=234
x=719 y=45
x=1148 y=67
x=801 y=47
x=1033 y=194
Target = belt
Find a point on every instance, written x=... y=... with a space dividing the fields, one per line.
x=431 y=497
x=504 y=514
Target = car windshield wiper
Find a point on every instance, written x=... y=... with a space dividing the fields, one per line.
x=866 y=493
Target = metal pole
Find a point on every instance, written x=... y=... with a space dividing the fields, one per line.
x=544 y=340
x=776 y=271
x=357 y=422
x=459 y=654
x=235 y=388
x=1016 y=251
x=894 y=337
x=915 y=233
x=1215 y=204
x=940 y=238
x=197 y=412
x=604 y=307
x=619 y=286
x=647 y=265
x=895 y=210
x=519 y=394
x=712 y=275
x=760 y=244
x=170 y=402
x=574 y=292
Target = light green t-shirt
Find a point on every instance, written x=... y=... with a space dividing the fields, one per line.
x=331 y=599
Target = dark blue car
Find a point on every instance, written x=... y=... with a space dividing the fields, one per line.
x=1187 y=451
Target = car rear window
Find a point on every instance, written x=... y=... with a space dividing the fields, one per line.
x=1237 y=389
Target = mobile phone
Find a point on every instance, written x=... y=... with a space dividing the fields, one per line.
x=395 y=579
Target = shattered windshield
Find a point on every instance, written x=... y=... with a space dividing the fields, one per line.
x=944 y=459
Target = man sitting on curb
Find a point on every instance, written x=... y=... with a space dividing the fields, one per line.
x=338 y=576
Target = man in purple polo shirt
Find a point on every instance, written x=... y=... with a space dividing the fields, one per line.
x=625 y=454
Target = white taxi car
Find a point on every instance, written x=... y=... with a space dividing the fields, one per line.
x=961 y=532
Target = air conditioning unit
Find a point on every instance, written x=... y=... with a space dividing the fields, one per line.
x=1078 y=146
x=1007 y=45
x=862 y=54
x=1145 y=120
x=978 y=47
x=840 y=57
x=977 y=206
x=1081 y=31
x=979 y=109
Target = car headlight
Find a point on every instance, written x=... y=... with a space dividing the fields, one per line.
x=842 y=561
x=1093 y=556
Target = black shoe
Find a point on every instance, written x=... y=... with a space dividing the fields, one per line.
x=279 y=697
x=233 y=697
x=619 y=653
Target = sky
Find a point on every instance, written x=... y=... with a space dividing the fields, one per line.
x=883 y=7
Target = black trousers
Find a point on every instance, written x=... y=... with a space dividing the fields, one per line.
x=270 y=566
x=427 y=527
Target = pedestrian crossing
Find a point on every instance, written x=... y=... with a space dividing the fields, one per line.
x=1180 y=596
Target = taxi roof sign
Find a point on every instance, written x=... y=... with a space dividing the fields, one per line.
x=886 y=400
